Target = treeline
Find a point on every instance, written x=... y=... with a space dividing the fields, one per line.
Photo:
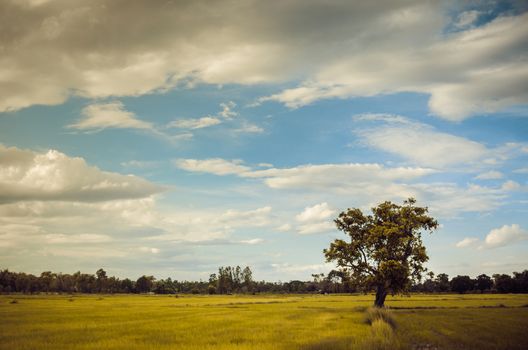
x=230 y=280
x=498 y=283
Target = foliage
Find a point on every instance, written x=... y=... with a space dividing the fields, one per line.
x=335 y=281
x=385 y=251
x=461 y=284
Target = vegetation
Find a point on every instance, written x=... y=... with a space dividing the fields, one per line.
x=236 y=280
x=385 y=251
x=304 y=322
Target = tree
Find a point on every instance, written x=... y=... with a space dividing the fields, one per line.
x=504 y=283
x=442 y=283
x=484 y=282
x=385 y=251
x=144 y=284
x=461 y=284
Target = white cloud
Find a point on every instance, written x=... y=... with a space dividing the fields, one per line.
x=342 y=49
x=227 y=111
x=335 y=177
x=490 y=175
x=149 y=250
x=109 y=115
x=510 y=186
x=199 y=123
x=284 y=228
x=465 y=73
x=316 y=227
x=367 y=183
x=250 y=128
x=521 y=171
x=317 y=212
x=419 y=143
x=316 y=219
x=467 y=242
x=217 y=166
x=28 y=175
x=252 y=241
x=467 y=18
x=505 y=235
x=85 y=238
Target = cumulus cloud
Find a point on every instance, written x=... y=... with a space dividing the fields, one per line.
x=454 y=77
x=498 y=237
x=342 y=49
x=467 y=242
x=505 y=235
x=52 y=175
x=109 y=115
x=317 y=212
x=316 y=219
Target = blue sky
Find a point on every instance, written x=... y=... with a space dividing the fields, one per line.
x=173 y=138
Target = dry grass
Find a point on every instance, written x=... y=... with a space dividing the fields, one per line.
x=308 y=322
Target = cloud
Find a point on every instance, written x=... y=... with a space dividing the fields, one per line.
x=418 y=142
x=367 y=183
x=250 y=128
x=484 y=77
x=467 y=19
x=467 y=242
x=510 y=185
x=109 y=115
x=316 y=219
x=52 y=175
x=252 y=241
x=424 y=145
x=317 y=212
x=521 y=171
x=225 y=115
x=490 y=175
x=217 y=166
x=199 y=123
x=505 y=235
x=84 y=238
x=338 y=50
x=227 y=111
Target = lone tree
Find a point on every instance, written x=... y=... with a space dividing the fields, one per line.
x=385 y=252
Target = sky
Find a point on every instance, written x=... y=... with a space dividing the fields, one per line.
x=169 y=138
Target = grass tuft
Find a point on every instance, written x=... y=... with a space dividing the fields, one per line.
x=14 y=301
x=376 y=313
x=382 y=337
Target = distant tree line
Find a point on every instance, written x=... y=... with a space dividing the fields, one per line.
x=498 y=283
x=230 y=280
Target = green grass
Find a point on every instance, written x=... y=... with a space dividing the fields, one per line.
x=307 y=322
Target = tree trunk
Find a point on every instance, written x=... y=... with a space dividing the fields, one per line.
x=381 y=294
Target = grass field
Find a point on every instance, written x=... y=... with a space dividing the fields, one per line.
x=307 y=322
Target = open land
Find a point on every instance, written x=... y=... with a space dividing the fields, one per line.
x=307 y=322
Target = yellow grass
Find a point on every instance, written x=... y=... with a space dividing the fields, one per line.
x=261 y=322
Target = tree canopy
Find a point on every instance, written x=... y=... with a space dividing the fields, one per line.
x=385 y=252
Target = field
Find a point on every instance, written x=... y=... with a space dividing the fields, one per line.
x=307 y=322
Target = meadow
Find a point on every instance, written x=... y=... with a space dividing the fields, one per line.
x=306 y=322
